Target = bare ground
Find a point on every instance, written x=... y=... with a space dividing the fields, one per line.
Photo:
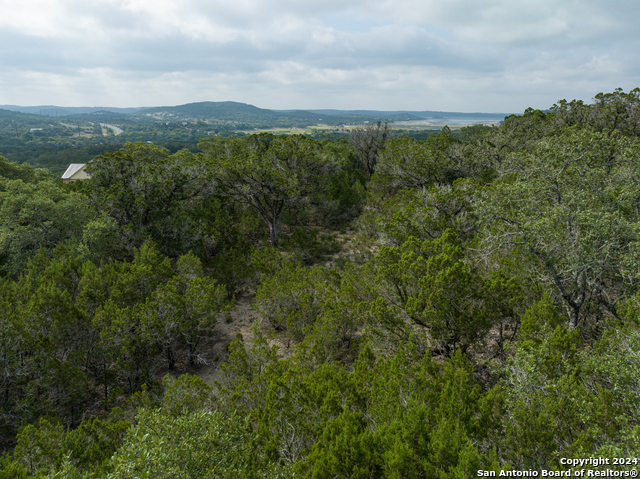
x=242 y=318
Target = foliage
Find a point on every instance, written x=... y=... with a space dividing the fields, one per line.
x=426 y=214
x=368 y=144
x=417 y=164
x=325 y=308
x=566 y=401
x=201 y=444
x=35 y=213
x=268 y=173
x=571 y=204
x=69 y=327
x=430 y=295
x=311 y=245
x=483 y=316
x=150 y=194
x=387 y=417
x=45 y=447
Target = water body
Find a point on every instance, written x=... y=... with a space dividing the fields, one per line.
x=439 y=122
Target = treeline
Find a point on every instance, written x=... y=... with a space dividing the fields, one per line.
x=57 y=157
x=482 y=313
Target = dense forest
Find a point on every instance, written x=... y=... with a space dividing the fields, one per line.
x=440 y=307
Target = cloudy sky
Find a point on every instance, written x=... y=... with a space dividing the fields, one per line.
x=451 y=55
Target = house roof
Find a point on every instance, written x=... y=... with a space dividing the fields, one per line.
x=72 y=170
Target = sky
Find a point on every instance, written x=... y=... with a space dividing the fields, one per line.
x=447 y=55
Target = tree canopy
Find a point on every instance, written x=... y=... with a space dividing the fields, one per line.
x=269 y=173
x=279 y=306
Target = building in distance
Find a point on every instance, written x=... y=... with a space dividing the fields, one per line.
x=75 y=172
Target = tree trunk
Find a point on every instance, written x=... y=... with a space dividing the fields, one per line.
x=273 y=233
x=171 y=358
x=573 y=317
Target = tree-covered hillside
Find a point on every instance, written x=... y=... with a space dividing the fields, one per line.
x=54 y=137
x=444 y=307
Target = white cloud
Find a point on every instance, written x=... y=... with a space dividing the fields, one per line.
x=406 y=54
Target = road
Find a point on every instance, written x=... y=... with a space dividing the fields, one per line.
x=115 y=129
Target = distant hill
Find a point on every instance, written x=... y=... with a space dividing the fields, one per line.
x=233 y=116
x=240 y=115
x=52 y=110
x=229 y=111
x=4 y=113
x=104 y=116
x=53 y=136
x=16 y=121
x=225 y=111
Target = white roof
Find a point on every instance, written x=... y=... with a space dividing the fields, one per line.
x=72 y=170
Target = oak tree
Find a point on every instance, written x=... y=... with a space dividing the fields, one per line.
x=268 y=173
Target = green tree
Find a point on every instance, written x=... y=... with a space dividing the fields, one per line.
x=572 y=204
x=37 y=215
x=417 y=164
x=180 y=315
x=565 y=398
x=13 y=370
x=150 y=193
x=45 y=448
x=426 y=214
x=10 y=170
x=292 y=299
x=400 y=417
x=368 y=143
x=615 y=113
x=430 y=295
x=268 y=173
x=200 y=444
